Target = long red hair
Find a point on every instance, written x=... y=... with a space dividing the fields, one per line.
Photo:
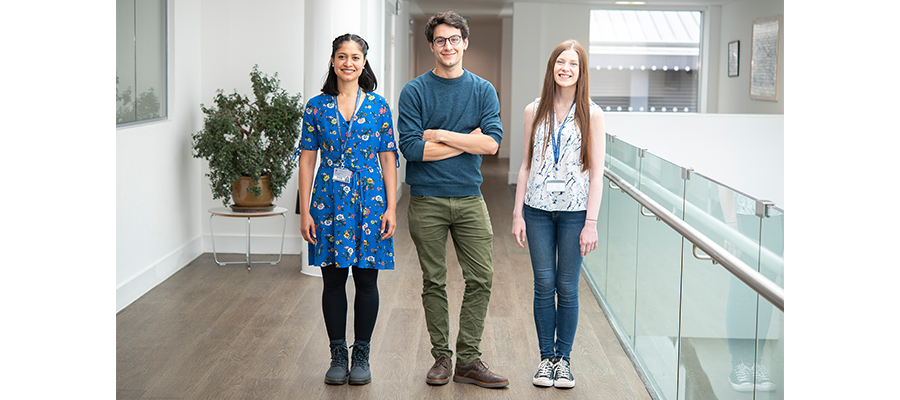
x=582 y=102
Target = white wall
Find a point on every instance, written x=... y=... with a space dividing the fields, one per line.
x=158 y=210
x=744 y=151
x=236 y=35
x=399 y=74
x=736 y=24
x=162 y=193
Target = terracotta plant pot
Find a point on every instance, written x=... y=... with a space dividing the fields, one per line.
x=242 y=198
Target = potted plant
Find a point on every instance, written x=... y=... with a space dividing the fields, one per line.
x=250 y=142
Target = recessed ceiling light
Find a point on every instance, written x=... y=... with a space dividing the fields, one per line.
x=631 y=2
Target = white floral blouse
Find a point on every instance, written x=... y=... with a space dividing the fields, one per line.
x=543 y=168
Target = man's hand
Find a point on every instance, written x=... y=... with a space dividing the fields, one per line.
x=432 y=135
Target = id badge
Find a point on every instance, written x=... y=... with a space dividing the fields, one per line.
x=342 y=175
x=556 y=185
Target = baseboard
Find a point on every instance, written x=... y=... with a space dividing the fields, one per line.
x=138 y=285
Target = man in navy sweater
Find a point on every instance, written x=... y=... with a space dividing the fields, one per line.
x=449 y=118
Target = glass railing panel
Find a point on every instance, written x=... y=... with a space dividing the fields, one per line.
x=661 y=180
x=595 y=261
x=622 y=247
x=659 y=277
x=718 y=327
x=624 y=160
x=689 y=322
x=770 y=326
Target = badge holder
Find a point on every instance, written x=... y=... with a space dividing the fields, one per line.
x=342 y=175
x=556 y=185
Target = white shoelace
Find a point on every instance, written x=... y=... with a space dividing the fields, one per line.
x=545 y=368
x=742 y=372
x=562 y=369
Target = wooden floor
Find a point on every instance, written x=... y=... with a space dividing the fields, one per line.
x=212 y=332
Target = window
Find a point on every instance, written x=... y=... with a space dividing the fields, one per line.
x=141 y=87
x=645 y=61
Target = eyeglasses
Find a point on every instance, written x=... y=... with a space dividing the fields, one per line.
x=441 y=41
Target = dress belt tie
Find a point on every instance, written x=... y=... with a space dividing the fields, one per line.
x=356 y=186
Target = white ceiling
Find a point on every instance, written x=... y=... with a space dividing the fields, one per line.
x=502 y=8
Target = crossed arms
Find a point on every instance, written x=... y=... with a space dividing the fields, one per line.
x=421 y=109
x=441 y=144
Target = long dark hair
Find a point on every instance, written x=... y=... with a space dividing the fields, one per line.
x=367 y=80
x=582 y=102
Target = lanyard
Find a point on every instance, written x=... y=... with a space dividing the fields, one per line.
x=556 y=143
x=340 y=122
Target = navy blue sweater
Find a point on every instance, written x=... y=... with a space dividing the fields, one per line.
x=457 y=105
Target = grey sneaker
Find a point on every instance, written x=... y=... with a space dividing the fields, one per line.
x=338 y=374
x=741 y=377
x=562 y=375
x=359 y=367
x=544 y=375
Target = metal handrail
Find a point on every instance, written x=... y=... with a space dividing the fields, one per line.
x=759 y=283
x=653 y=188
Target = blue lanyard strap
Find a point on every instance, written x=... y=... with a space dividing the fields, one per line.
x=556 y=141
x=337 y=117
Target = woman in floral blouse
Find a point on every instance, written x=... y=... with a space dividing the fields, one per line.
x=351 y=217
x=558 y=197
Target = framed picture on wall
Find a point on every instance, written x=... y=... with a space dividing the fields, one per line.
x=734 y=58
x=764 y=58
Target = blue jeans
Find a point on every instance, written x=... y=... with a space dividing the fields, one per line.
x=553 y=241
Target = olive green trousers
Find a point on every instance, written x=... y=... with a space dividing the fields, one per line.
x=468 y=222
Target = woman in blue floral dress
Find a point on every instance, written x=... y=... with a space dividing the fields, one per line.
x=352 y=215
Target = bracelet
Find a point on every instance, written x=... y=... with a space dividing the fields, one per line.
x=589 y=219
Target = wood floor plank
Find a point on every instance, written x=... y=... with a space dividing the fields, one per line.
x=222 y=332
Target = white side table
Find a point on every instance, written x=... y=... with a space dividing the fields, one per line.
x=227 y=212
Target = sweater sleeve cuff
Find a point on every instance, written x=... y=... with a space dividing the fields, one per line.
x=415 y=151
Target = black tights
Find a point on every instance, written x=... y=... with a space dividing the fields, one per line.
x=334 y=302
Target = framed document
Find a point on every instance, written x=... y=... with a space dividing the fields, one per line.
x=734 y=58
x=764 y=58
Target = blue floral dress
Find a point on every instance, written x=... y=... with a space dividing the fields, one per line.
x=348 y=215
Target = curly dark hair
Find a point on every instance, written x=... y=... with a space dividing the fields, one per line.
x=450 y=18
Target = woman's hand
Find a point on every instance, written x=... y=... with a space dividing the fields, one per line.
x=388 y=223
x=588 y=239
x=518 y=230
x=308 y=227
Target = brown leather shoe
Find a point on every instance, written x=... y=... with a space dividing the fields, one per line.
x=477 y=373
x=439 y=374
